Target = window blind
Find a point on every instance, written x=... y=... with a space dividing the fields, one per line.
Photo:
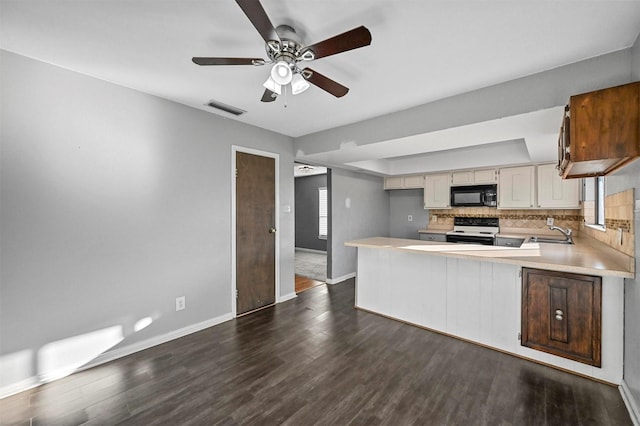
x=322 y=213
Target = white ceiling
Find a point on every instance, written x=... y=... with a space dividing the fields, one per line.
x=421 y=50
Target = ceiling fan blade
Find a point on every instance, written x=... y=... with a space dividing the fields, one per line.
x=325 y=83
x=268 y=96
x=353 y=39
x=259 y=18
x=228 y=61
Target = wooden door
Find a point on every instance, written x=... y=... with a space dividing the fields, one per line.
x=562 y=314
x=255 y=232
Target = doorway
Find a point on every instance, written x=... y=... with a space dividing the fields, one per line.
x=254 y=244
x=311 y=219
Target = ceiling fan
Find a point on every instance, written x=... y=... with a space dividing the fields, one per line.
x=286 y=52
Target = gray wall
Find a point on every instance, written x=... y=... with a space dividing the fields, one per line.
x=635 y=61
x=629 y=177
x=113 y=203
x=544 y=90
x=307 y=203
x=403 y=203
x=359 y=209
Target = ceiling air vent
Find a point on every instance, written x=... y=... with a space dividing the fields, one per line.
x=226 y=108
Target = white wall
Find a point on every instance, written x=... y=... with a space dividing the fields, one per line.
x=113 y=203
x=359 y=209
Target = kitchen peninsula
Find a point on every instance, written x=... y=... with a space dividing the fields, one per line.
x=474 y=292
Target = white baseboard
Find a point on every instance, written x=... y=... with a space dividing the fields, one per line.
x=311 y=250
x=114 y=354
x=155 y=341
x=18 y=387
x=340 y=279
x=630 y=402
x=286 y=297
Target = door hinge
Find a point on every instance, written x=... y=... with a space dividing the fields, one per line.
x=520 y=273
x=519 y=336
x=236 y=293
x=236 y=173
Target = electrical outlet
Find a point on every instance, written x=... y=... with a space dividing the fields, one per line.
x=180 y=303
x=549 y=221
x=410 y=218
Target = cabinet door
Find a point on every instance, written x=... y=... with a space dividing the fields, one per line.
x=394 y=182
x=516 y=187
x=437 y=191
x=462 y=178
x=413 y=182
x=555 y=192
x=485 y=176
x=561 y=314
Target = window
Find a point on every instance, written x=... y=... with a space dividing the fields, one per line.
x=322 y=213
x=599 y=208
x=594 y=193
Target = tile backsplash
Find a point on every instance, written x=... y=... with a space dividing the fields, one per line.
x=618 y=221
x=529 y=219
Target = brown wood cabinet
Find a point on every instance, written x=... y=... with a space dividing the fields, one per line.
x=562 y=314
x=600 y=132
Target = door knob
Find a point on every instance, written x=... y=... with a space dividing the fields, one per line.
x=272 y=230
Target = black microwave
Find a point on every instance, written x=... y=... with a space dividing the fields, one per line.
x=474 y=196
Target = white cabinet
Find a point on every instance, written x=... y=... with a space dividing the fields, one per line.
x=555 y=192
x=437 y=191
x=474 y=177
x=404 y=182
x=464 y=177
x=414 y=181
x=485 y=176
x=395 y=182
x=516 y=188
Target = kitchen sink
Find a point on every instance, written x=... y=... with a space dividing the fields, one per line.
x=535 y=239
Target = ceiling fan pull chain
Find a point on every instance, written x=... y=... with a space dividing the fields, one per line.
x=285 y=96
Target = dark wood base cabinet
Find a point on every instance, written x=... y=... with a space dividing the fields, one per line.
x=562 y=314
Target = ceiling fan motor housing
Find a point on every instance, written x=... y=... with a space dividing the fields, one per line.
x=287 y=49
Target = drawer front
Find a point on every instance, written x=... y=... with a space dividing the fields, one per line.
x=433 y=237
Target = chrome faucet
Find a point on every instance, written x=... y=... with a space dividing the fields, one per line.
x=566 y=232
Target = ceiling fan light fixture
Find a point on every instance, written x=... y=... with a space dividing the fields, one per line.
x=273 y=86
x=281 y=73
x=298 y=84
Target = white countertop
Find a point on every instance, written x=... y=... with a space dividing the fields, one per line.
x=586 y=256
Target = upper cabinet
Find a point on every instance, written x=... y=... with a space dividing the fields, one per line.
x=555 y=192
x=474 y=177
x=437 y=194
x=404 y=182
x=600 y=132
x=516 y=187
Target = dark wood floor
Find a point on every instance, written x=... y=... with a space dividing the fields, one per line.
x=317 y=360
